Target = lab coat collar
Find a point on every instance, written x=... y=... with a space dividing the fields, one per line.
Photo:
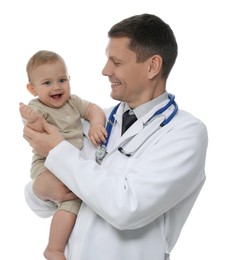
x=140 y=123
x=146 y=107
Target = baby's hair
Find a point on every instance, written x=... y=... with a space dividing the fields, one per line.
x=42 y=57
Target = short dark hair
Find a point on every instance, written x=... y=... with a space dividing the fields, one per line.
x=149 y=35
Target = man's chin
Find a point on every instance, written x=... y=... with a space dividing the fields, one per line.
x=115 y=97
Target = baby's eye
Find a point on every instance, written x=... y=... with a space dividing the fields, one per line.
x=47 y=82
x=62 y=80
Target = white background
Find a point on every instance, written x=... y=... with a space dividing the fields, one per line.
x=78 y=31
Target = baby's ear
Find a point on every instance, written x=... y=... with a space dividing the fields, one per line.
x=31 y=88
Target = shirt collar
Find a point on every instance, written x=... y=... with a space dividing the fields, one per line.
x=146 y=107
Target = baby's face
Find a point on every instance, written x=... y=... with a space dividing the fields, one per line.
x=51 y=83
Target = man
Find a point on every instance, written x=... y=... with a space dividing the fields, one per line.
x=139 y=191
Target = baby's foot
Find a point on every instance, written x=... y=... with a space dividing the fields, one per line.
x=54 y=255
x=28 y=113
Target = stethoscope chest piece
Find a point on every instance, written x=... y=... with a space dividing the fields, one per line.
x=100 y=153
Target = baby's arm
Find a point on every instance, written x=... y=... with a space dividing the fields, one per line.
x=97 y=132
x=32 y=118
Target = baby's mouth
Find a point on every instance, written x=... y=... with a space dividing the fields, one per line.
x=56 y=96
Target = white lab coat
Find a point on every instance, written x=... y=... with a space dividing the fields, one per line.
x=133 y=207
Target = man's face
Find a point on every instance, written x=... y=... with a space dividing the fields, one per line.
x=129 y=79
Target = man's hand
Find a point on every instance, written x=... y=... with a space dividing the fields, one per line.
x=42 y=143
x=49 y=187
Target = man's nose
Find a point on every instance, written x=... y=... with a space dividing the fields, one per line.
x=107 y=70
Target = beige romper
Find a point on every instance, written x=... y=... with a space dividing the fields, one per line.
x=68 y=120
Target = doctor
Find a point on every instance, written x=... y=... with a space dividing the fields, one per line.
x=140 y=186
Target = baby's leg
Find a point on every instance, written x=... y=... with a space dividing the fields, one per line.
x=61 y=226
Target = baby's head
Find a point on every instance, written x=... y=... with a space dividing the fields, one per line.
x=48 y=78
x=40 y=58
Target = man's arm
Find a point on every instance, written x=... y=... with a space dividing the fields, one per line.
x=42 y=143
x=47 y=186
x=43 y=209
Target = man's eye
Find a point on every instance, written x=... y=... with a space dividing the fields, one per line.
x=62 y=80
x=116 y=63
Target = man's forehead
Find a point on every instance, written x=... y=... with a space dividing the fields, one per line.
x=118 y=47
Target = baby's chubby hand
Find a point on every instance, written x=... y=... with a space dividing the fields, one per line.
x=97 y=134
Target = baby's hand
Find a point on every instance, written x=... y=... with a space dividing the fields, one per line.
x=28 y=113
x=97 y=134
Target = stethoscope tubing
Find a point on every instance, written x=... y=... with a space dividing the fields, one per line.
x=102 y=151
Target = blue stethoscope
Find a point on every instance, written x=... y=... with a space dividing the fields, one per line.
x=102 y=150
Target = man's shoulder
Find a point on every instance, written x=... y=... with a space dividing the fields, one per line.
x=185 y=116
x=189 y=123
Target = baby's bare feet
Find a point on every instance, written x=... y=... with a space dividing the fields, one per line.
x=54 y=255
x=28 y=113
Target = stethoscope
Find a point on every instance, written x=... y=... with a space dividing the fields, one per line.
x=102 y=150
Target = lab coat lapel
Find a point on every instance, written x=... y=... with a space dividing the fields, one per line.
x=138 y=130
x=142 y=136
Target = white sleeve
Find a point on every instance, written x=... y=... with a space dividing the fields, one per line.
x=43 y=209
x=133 y=192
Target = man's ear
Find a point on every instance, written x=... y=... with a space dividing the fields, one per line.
x=31 y=88
x=155 y=66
